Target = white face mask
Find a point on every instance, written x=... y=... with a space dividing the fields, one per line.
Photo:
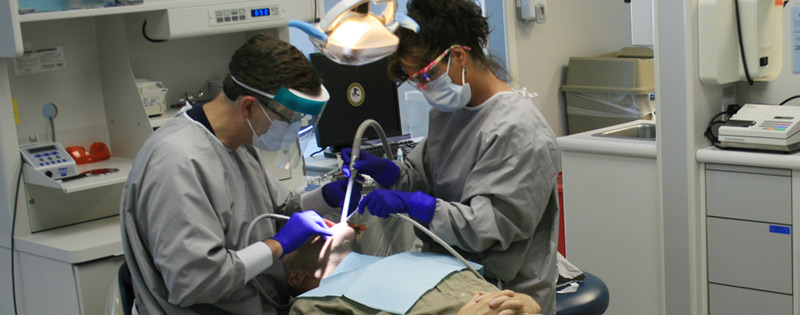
x=280 y=135
x=445 y=95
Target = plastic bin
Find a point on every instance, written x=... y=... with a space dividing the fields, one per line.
x=43 y=5
x=36 y=6
x=609 y=89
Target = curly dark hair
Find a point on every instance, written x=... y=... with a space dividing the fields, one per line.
x=266 y=63
x=442 y=23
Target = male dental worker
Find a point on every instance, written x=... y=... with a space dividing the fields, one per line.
x=198 y=182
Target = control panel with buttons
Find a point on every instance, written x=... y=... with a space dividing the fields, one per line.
x=231 y=15
x=50 y=159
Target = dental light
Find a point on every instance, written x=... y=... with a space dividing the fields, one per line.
x=350 y=34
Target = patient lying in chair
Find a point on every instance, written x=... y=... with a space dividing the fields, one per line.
x=328 y=278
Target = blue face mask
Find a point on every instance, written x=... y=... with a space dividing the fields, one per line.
x=280 y=135
x=445 y=95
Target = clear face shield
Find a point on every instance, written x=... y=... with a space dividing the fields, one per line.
x=291 y=156
x=303 y=105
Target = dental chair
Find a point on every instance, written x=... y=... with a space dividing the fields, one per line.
x=592 y=296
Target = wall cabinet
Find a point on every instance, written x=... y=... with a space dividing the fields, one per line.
x=749 y=242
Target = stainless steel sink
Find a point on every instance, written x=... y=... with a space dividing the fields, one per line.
x=643 y=131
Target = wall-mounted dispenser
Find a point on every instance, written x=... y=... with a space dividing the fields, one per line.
x=761 y=30
x=204 y=19
x=532 y=10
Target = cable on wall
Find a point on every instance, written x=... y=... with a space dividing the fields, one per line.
x=144 y=33
x=741 y=45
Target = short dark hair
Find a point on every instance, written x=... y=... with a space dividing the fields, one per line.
x=266 y=63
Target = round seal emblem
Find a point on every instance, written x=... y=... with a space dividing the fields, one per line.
x=355 y=94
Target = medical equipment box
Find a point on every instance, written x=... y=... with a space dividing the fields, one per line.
x=50 y=159
x=763 y=127
x=154 y=96
x=609 y=89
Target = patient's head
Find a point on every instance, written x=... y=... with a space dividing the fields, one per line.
x=317 y=258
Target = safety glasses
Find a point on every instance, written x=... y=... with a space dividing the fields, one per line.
x=296 y=116
x=423 y=77
x=293 y=99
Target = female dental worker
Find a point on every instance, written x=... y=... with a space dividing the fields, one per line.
x=198 y=182
x=484 y=179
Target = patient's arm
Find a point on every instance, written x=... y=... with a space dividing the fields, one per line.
x=500 y=302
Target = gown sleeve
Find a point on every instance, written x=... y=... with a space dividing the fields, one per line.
x=186 y=233
x=505 y=194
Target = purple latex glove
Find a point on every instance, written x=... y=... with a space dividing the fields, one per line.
x=383 y=202
x=383 y=171
x=334 y=192
x=301 y=226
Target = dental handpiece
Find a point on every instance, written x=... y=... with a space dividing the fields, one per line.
x=349 y=191
x=356 y=149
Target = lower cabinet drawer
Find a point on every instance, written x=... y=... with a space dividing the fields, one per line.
x=725 y=300
x=750 y=254
x=748 y=196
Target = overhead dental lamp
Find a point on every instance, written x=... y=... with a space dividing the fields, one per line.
x=350 y=34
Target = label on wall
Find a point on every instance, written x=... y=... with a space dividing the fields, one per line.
x=16 y=110
x=796 y=38
x=40 y=60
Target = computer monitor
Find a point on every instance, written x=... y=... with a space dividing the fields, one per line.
x=357 y=93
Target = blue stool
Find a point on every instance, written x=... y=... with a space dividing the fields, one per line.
x=591 y=298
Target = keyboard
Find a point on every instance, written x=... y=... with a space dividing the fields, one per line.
x=404 y=145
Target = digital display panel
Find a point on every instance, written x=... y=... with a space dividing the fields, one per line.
x=739 y=123
x=259 y=12
x=42 y=149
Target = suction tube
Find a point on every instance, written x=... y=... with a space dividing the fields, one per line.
x=356 y=150
x=441 y=242
x=354 y=156
x=263 y=293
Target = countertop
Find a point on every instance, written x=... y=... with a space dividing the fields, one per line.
x=749 y=158
x=75 y=243
x=589 y=143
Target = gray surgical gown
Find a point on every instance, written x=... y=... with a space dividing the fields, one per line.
x=493 y=169
x=185 y=209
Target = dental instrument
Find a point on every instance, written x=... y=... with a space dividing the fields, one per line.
x=356 y=150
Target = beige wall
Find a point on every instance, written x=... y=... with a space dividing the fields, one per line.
x=539 y=53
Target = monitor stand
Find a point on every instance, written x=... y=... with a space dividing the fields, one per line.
x=331 y=152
